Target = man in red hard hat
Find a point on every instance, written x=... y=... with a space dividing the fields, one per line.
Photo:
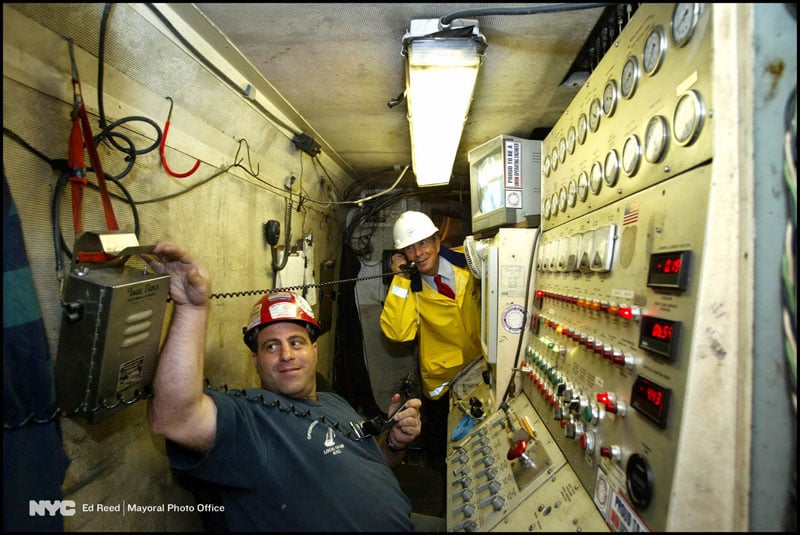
x=284 y=457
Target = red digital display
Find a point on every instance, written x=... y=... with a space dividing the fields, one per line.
x=659 y=336
x=651 y=399
x=669 y=270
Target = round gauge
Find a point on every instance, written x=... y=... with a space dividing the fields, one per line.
x=571 y=139
x=583 y=124
x=655 y=139
x=562 y=149
x=596 y=178
x=654 y=48
x=554 y=158
x=572 y=193
x=688 y=117
x=583 y=186
x=514 y=318
x=554 y=204
x=611 y=167
x=610 y=96
x=631 y=155
x=684 y=21
x=594 y=115
x=546 y=166
x=546 y=208
x=630 y=77
x=562 y=199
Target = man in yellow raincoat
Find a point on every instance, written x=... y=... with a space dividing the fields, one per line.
x=446 y=321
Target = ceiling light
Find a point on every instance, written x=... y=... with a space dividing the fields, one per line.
x=441 y=69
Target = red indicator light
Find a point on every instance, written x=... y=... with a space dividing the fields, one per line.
x=603 y=398
x=539 y=294
x=626 y=312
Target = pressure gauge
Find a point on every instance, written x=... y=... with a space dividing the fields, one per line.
x=562 y=149
x=594 y=114
x=610 y=96
x=631 y=155
x=554 y=203
x=572 y=137
x=655 y=138
x=583 y=186
x=554 y=158
x=572 y=193
x=654 y=48
x=684 y=21
x=546 y=166
x=596 y=178
x=688 y=117
x=562 y=199
x=629 y=78
x=583 y=124
x=546 y=209
x=611 y=167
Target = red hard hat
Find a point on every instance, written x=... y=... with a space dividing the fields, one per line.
x=279 y=306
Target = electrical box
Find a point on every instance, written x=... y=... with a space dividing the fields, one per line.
x=109 y=340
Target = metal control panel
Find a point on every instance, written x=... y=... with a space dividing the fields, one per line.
x=506 y=473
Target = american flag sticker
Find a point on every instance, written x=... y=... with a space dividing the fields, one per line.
x=631 y=214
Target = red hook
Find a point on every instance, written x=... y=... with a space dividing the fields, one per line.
x=164 y=144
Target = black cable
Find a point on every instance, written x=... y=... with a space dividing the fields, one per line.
x=532 y=10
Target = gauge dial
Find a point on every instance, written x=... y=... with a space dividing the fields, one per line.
x=546 y=166
x=596 y=178
x=562 y=149
x=654 y=48
x=594 y=114
x=684 y=21
x=583 y=124
x=655 y=139
x=583 y=186
x=631 y=155
x=572 y=193
x=546 y=208
x=554 y=204
x=554 y=158
x=562 y=199
x=630 y=77
x=611 y=167
x=610 y=96
x=572 y=137
x=688 y=117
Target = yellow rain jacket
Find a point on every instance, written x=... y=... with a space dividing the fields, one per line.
x=448 y=330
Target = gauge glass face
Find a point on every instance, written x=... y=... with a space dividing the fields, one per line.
x=546 y=208
x=654 y=48
x=554 y=158
x=572 y=193
x=562 y=149
x=688 y=117
x=655 y=139
x=571 y=139
x=546 y=166
x=583 y=124
x=610 y=96
x=684 y=20
x=594 y=115
x=611 y=167
x=596 y=178
x=554 y=204
x=630 y=77
x=631 y=155
x=562 y=199
x=583 y=186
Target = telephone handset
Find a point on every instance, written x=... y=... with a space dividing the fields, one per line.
x=410 y=267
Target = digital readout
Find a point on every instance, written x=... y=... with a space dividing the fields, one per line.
x=659 y=336
x=669 y=270
x=652 y=400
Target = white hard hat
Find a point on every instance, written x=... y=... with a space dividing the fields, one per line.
x=412 y=227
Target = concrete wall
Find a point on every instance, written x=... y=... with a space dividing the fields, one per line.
x=217 y=213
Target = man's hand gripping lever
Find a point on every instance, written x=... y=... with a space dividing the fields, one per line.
x=408 y=389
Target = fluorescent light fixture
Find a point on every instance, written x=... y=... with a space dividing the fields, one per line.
x=441 y=69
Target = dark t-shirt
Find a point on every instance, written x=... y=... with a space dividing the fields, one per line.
x=286 y=465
